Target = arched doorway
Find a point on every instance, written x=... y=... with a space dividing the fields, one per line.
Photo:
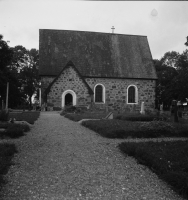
x=68 y=96
x=68 y=99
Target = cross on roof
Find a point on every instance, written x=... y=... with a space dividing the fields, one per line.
x=112 y=29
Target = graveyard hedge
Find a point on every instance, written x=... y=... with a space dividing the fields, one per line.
x=129 y=129
x=169 y=160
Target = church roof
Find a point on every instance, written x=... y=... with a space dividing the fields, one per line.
x=95 y=54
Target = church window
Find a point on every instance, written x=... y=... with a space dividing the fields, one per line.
x=132 y=94
x=99 y=93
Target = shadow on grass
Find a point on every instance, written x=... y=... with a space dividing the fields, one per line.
x=7 y=152
x=169 y=160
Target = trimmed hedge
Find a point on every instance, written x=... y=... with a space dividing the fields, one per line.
x=169 y=160
x=14 y=130
x=129 y=129
x=139 y=117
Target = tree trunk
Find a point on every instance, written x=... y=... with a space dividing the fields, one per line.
x=176 y=113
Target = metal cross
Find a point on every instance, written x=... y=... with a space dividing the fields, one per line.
x=112 y=29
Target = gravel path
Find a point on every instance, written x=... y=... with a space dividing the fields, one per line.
x=61 y=160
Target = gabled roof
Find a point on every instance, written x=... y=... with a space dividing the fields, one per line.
x=95 y=54
x=69 y=64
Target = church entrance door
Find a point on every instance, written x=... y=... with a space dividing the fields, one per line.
x=68 y=99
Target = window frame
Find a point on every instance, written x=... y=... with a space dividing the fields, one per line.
x=103 y=93
x=136 y=94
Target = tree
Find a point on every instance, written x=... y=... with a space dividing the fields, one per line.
x=25 y=62
x=6 y=55
x=186 y=44
x=172 y=71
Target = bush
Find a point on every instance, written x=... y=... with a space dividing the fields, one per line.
x=139 y=117
x=128 y=129
x=169 y=160
x=6 y=153
x=4 y=115
x=157 y=128
x=56 y=108
x=15 y=130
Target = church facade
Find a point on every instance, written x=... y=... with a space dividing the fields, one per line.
x=104 y=70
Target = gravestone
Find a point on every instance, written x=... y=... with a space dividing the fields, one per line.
x=142 y=108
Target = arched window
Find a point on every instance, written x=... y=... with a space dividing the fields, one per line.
x=132 y=94
x=99 y=93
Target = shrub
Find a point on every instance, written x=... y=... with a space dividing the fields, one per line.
x=4 y=115
x=128 y=129
x=56 y=108
x=156 y=128
x=169 y=160
x=14 y=131
x=140 y=117
x=6 y=153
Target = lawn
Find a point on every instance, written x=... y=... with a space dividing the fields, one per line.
x=7 y=152
x=28 y=116
x=135 y=129
x=169 y=160
x=86 y=115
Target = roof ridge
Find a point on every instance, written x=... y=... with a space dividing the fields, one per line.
x=94 y=32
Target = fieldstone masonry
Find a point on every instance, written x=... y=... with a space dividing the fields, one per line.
x=115 y=94
x=68 y=80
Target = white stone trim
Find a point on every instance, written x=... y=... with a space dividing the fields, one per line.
x=136 y=95
x=103 y=93
x=63 y=97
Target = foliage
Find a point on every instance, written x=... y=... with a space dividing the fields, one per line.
x=128 y=129
x=186 y=44
x=7 y=152
x=172 y=71
x=71 y=109
x=169 y=160
x=6 y=75
x=156 y=127
x=4 y=115
x=28 y=116
x=139 y=117
x=19 y=67
x=86 y=115
x=15 y=130
x=25 y=63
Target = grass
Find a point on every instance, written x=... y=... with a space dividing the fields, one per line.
x=28 y=116
x=169 y=160
x=7 y=152
x=86 y=115
x=129 y=129
x=140 y=117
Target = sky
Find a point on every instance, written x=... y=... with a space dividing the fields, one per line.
x=165 y=23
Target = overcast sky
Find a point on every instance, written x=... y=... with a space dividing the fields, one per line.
x=165 y=23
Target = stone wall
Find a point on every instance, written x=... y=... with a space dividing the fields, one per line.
x=69 y=80
x=116 y=93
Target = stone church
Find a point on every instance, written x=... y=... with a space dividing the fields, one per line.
x=104 y=70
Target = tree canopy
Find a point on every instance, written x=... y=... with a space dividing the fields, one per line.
x=172 y=71
x=19 y=67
